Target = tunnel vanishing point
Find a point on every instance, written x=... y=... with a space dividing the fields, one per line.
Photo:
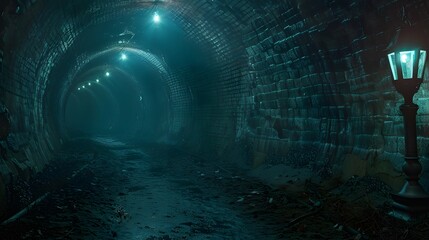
x=304 y=84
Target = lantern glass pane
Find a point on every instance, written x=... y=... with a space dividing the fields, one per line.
x=422 y=61
x=407 y=61
x=392 y=63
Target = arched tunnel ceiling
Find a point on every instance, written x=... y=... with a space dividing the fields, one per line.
x=65 y=36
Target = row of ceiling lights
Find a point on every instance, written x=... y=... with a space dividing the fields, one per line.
x=107 y=74
x=123 y=57
x=156 y=19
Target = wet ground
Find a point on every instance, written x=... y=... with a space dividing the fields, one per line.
x=106 y=189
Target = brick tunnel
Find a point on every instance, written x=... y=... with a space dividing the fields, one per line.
x=204 y=119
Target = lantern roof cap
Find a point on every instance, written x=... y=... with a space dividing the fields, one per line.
x=408 y=38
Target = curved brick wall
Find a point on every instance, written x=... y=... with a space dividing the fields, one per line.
x=320 y=91
x=299 y=82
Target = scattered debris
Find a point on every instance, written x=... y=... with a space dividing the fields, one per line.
x=315 y=212
x=311 y=212
x=121 y=214
x=25 y=210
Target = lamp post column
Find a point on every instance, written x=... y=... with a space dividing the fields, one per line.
x=412 y=167
x=412 y=201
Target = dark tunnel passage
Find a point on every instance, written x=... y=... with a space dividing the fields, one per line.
x=128 y=101
x=214 y=119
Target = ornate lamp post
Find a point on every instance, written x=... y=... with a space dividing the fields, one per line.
x=407 y=61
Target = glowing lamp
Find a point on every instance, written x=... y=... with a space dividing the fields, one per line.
x=407 y=59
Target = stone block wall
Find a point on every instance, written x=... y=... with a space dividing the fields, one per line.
x=319 y=81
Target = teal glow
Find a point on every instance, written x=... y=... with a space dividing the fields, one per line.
x=392 y=63
x=421 y=66
x=156 y=18
x=407 y=63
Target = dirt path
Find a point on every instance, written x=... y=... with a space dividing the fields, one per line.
x=106 y=189
x=126 y=192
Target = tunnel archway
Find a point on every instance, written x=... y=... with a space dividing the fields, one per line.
x=173 y=67
x=136 y=87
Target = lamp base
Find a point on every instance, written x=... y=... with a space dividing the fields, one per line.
x=409 y=208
